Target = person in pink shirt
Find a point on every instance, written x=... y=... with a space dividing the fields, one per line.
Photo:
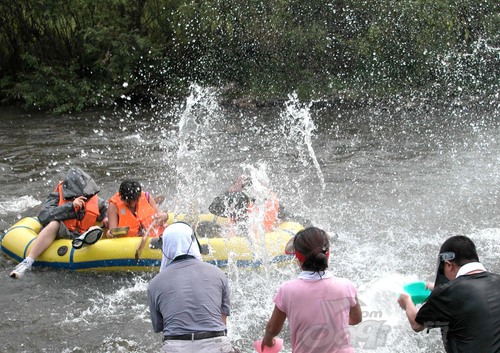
x=318 y=305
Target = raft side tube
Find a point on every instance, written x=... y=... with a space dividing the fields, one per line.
x=17 y=239
x=118 y=254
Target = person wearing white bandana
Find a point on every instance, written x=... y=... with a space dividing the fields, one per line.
x=318 y=305
x=464 y=304
x=177 y=240
x=189 y=299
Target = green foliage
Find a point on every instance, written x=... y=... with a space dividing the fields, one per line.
x=68 y=55
x=406 y=40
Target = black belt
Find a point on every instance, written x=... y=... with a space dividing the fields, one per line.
x=195 y=336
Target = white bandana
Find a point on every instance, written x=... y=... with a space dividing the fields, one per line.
x=471 y=266
x=311 y=276
x=178 y=239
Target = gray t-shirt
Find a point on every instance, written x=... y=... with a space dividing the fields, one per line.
x=188 y=296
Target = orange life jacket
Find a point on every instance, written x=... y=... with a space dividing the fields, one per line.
x=140 y=221
x=271 y=209
x=90 y=217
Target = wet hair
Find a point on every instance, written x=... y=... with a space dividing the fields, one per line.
x=130 y=190
x=463 y=247
x=314 y=244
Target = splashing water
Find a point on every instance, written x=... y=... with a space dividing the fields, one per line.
x=19 y=205
x=384 y=327
x=298 y=127
x=404 y=179
x=193 y=147
x=204 y=126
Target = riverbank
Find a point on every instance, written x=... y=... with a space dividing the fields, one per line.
x=232 y=98
x=150 y=51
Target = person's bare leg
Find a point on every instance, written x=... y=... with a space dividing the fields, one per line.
x=46 y=237
x=41 y=242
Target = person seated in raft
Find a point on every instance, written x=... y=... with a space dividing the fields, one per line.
x=318 y=305
x=70 y=210
x=238 y=204
x=133 y=208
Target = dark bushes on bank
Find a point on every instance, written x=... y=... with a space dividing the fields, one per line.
x=68 y=55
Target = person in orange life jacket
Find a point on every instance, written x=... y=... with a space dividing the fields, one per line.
x=237 y=204
x=70 y=210
x=131 y=207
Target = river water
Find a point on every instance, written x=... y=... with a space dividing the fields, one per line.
x=390 y=181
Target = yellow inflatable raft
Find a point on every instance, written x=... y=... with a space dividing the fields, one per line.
x=118 y=254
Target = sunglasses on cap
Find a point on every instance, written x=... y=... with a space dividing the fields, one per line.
x=446 y=256
x=442 y=258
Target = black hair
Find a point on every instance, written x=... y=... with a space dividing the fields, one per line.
x=130 y=190
x=232 y=204
x=313 y=243
x=463 y=247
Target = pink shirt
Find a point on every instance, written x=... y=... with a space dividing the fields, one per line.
x=318 y=313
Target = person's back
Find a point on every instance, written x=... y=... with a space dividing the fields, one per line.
x=470 y=307
x=465 y=301
x=187 y=287
x=318 y=305
x=189 y=299
x=318 y=313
